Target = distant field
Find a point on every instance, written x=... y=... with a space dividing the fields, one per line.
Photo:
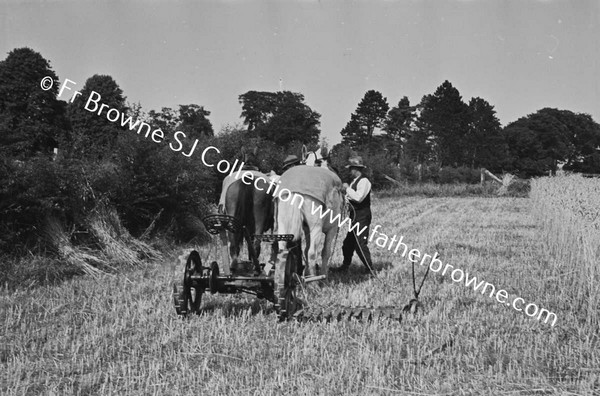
x=120 y=335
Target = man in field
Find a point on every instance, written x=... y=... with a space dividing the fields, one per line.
x=289 y=162
x=358 y=194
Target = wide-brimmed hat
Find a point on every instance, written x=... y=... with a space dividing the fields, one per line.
x=355 y=162
x=290 y=160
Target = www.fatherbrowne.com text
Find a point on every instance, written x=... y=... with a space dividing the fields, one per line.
x=457 y=275
x=94 y=105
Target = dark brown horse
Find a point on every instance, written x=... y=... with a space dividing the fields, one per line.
x=251 y=205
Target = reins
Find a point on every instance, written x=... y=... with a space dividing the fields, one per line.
x=413 y=304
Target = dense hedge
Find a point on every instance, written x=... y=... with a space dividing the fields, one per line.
x=147 y=184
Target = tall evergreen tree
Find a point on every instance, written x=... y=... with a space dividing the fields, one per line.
x=485 y=142
x=419 y=143
x=32 y=120
x=447 y=117
x=94 y=136
x=353 y=134
x=397 y=126
x=369 y=115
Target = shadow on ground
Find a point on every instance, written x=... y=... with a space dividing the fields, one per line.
x=230 y=309
x=357 y=273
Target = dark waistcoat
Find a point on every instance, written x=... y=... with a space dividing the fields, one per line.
x=365 y=205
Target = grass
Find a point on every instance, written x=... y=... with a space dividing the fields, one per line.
x=34 y=270
x=118 y=334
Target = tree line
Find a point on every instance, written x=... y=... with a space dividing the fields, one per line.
x=444 y=137
x=60 y=163
x=444 y=131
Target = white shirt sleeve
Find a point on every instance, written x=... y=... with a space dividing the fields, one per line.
x=363 y=187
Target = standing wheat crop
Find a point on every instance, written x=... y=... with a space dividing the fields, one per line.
x=568 y=208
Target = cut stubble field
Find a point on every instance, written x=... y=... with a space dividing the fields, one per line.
x=118 y=334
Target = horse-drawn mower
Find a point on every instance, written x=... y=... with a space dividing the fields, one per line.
x=277 y=281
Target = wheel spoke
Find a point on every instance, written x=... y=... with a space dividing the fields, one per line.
x=184 y=300
x=286 y=284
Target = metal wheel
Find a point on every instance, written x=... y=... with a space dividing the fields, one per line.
x=187 y=298
x=286 y=281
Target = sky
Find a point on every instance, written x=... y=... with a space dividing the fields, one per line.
x=518 y=55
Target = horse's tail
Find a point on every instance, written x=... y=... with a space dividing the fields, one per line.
x=244 y=209
x=335 y=203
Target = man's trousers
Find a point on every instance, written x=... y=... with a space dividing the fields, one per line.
x=358 y=243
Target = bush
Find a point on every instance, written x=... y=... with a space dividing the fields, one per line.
x=458 y=175
x=408 y=171
x=378 y=165
x=339 y=155
x=269 y=156
x=140 y=180
x=29 y=191
x=381 y=166
x=155 y=185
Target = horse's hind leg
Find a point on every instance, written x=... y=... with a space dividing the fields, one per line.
x=304 y=255
x=234 y=246
x=327 y=249
x=254 y=253
x=260 y=225
x=315 y=240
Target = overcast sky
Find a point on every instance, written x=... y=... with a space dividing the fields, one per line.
x=519 y=55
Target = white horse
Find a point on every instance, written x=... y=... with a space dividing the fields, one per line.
x=321 y=192
x=312 y=158
x=309 y=158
